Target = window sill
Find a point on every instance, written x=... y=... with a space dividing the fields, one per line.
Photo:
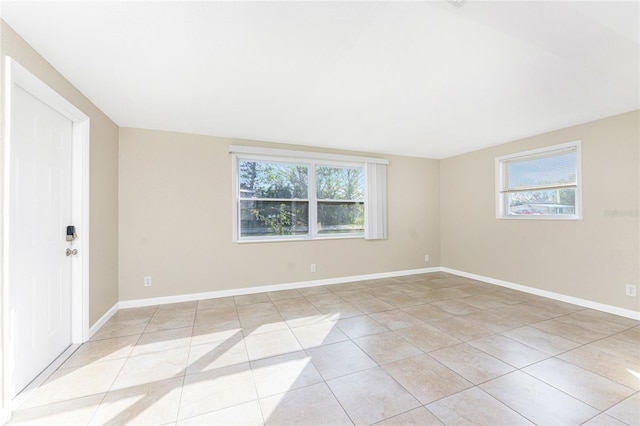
x=539 y=217
x=300 y=238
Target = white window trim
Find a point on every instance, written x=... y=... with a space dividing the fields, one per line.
x=240 y=152
x=499 y=200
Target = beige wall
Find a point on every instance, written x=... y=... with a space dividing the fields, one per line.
x=175 y=222
x=591 y=259
x=103 y=290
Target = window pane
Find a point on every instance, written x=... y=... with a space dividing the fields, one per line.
x=273 y=180
x=542 y=171
x=340 y=217
x=339 y=183
x=273 y=218
x=549 y=202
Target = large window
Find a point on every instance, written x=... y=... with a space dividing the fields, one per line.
x=282 y=195
x=540 y=184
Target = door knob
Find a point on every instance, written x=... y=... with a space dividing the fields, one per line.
x=72 y=252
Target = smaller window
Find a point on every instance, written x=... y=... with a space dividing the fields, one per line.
x=540 y=184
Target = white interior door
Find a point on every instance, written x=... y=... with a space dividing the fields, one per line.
x=39 y=273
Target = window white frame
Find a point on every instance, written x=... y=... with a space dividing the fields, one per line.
x=500 y=176
x=374 y=197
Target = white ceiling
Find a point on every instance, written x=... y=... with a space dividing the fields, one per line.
x=425 y=79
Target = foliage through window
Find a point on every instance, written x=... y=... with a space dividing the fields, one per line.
x=540 y=184
x=282 y=199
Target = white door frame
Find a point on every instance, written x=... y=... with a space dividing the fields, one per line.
x=15 y=74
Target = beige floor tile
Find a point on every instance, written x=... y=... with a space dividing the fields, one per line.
x=616 y=368
x=142 y=313
x=471 y=363
x=569 y=331
x=604 y=420
x=512 y=297
x=247 y=414
x=627 y=322
x=293 y=304
x=401 y=300
x=427 y=313
x=120 y=328
x=386 y=347
x=207 y=317
x=426 y=378
x=271 y=344
x=493 y=321
x=339 y=359
x=619 y=347
x=217 y=303
x=250 y=299
x=627 y=411
x=164 y=340
x=593 y=323
x=101 y=350
x=475 y=407
x=426 y=337
x=508 y=350
x=141 y=356
x=216 y=389
x=520 y=314
x=461 y=328
x=303 y=317
x=283 y=294
x=339 y=311
x=215 y=332
x=263 y=324
x=152 y=367
x=151 y=403
x=222 y=353
x=173 y=308
x=371 y=396
x=71 y=412
x=322 y=333
x=313 y=291
x=595 y=390
x=369 y=306
x=485 y=301
x=542 y=340
x=167 y=320
x=395 y=319
x=325 y=299
x=537 y=401
x=282 y=373
x=311 y=405
x=418 y=416
x=71 y=383
x=360 y=326
x=256 y=310
x=631 y=335
x=552 y=308
x=456 y=307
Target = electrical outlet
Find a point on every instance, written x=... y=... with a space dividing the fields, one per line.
x=147 y=281
x=426 y=257
x=631 y=290
x=313 y=267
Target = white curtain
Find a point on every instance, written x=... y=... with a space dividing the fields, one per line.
x=376 y=202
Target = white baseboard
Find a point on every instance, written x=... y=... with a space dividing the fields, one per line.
x=628 y=313
x=137 y=303
x=103 y=319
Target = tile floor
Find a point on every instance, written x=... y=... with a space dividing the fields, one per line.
x=425 y=349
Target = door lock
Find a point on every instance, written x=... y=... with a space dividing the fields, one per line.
x=70 y=252
x=71 y=233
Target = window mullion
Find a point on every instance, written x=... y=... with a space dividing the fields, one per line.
x=313 y=201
